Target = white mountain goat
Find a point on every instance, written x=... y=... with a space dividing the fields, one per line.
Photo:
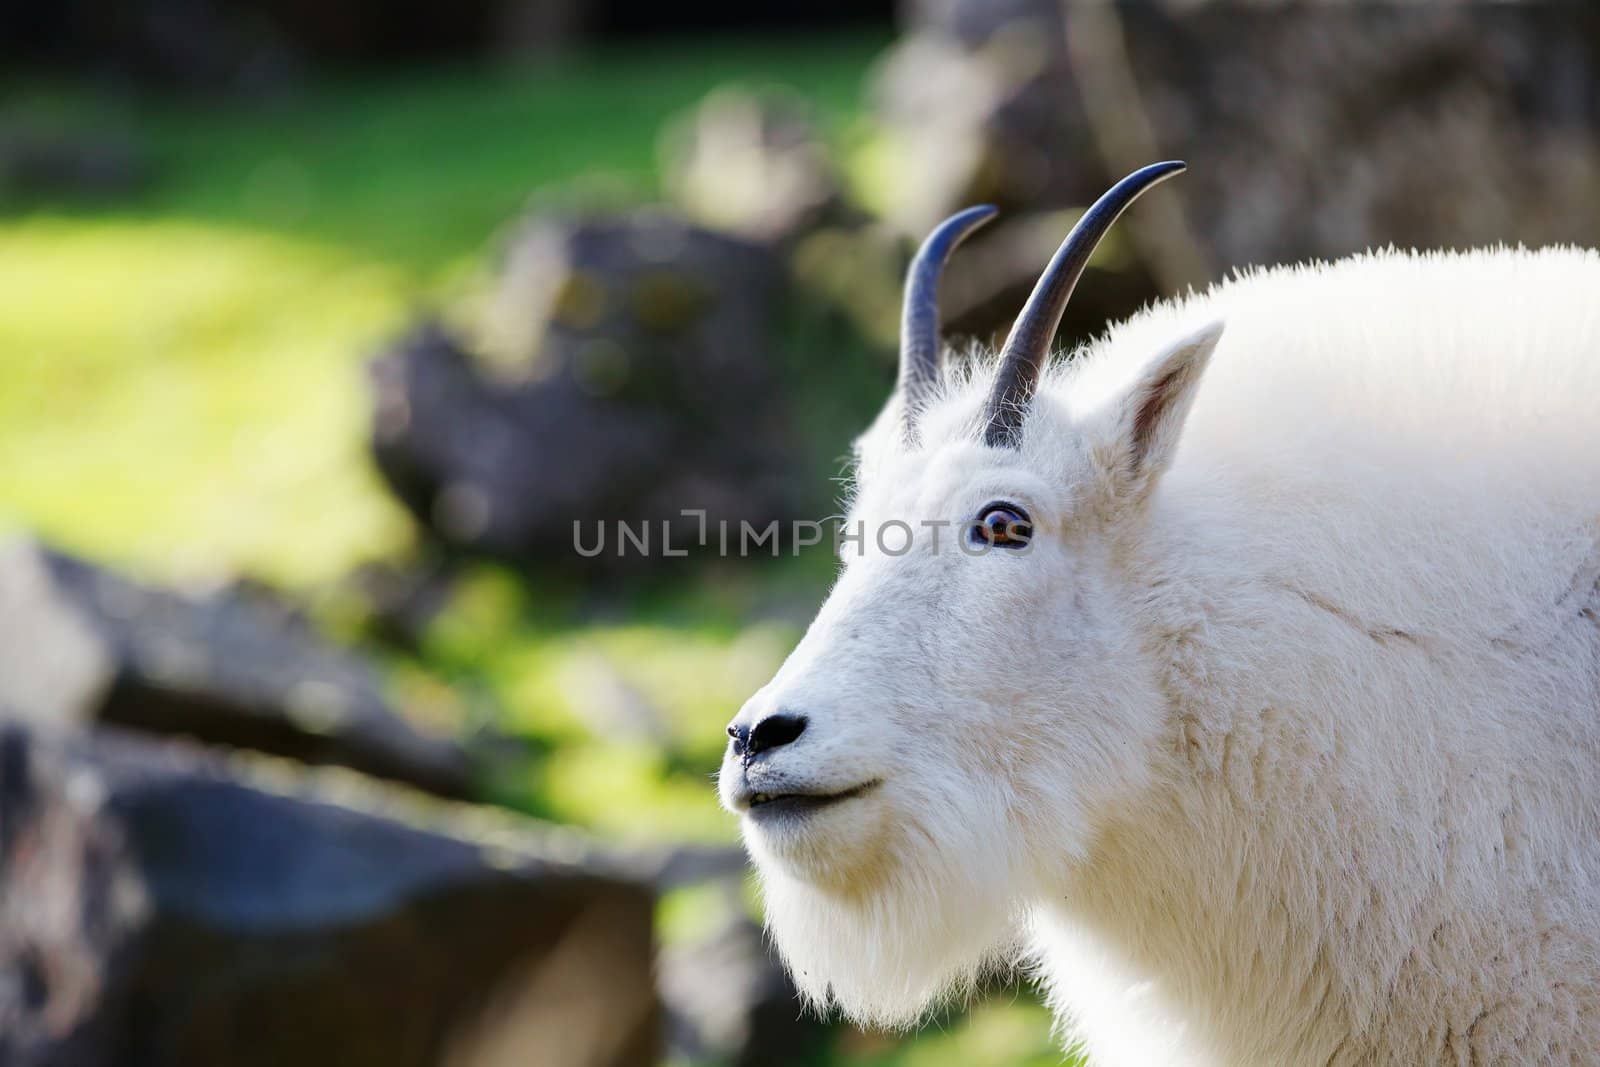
x=1246 y=680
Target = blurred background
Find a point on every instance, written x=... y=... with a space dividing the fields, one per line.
x=321 y=324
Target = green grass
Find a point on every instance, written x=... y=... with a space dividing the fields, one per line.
x=180 y=374
x=1009 y=1030
x=423 y=168
x=183 y=399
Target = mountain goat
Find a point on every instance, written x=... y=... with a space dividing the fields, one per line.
x=1243 y=674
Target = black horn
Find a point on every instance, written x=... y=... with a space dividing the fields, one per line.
x=1027 y=347
x=920 y=347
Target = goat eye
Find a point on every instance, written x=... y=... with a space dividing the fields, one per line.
x=1002 y=525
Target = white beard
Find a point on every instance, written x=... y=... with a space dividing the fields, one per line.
x=918 y=928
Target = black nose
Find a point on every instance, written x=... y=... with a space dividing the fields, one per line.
x=774 y=731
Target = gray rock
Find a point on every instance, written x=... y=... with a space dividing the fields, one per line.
x=1321 y=131
x=160 y=907
x=751 y=164
x=625 y=374
x=980 y=102
x=80 y=645
x=728 y=1000
x=1312 y=130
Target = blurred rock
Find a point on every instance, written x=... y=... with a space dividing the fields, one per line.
x=980 y=107
x=165 y=908
x=752 y=164
x=729 y=1001
x=1312 y=130
x=399 y=601
x=80 y=645
x=684 y=865
x=626 y=374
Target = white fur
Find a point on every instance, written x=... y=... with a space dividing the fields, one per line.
x=1281 y=744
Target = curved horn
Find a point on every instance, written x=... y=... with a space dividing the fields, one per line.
x=1027 y=347
x=919 y=316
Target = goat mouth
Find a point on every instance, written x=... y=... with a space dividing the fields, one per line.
x=765 y=806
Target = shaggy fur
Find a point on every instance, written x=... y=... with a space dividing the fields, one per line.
x=1281 y=743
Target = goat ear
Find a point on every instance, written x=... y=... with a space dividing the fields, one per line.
x=1148 y=418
